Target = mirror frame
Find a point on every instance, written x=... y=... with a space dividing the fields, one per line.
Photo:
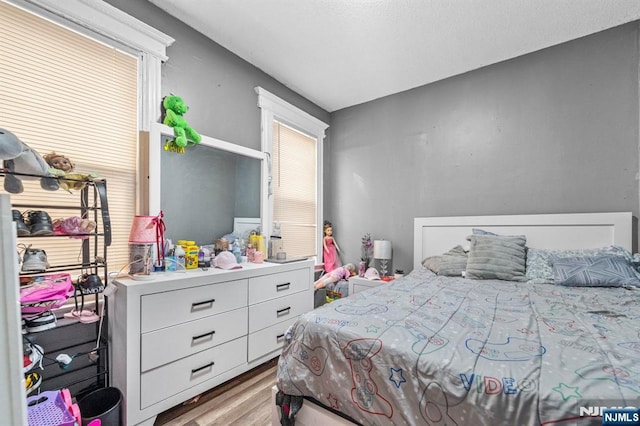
x=155 y=148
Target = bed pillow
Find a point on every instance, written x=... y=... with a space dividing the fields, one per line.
x=478 y=231
x=450 y=264
x=540 y=261
x=594 y=271
x=497 y=257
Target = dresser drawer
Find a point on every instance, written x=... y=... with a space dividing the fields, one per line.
x=161 y=310
x=171 y=379
x=273 y=311
x=277 y=285
x=268 y=340
x=168 y=344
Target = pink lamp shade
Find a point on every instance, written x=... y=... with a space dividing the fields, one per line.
x=143 y=230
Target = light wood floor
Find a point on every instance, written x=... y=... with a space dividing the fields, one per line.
x=245 y=400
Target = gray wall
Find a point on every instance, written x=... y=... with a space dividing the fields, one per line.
x=217 y=85
x=555 y=131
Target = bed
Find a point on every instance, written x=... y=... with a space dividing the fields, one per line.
x=451 y=350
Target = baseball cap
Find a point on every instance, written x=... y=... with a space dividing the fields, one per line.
x=226 y=260
x=372 y=274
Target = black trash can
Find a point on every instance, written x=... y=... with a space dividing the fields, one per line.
x=104 y=404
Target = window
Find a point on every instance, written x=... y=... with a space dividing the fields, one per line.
x=294 y=184
x=79 y=96
x=293 y=139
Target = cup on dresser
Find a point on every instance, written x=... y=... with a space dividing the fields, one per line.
x=140 y=258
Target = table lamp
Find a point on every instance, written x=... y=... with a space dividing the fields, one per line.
x=382 y=251
x=142 y=237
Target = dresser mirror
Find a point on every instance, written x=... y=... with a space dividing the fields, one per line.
x=202 y=190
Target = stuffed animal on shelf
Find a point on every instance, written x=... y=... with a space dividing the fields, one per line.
x=62 y=167
x=174 y=108
x=59 y=162
x=72 y=226
x=25 y=162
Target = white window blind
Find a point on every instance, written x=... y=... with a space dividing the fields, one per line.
x=294 y=183
x=65 y=92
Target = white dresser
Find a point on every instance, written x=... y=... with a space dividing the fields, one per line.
x=183 y=333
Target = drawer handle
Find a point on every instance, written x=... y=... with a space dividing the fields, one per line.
x=206 y=302
x=196 y=370
x=285 y=286
x=211 y=333
x=279 y=337
x=284 y=311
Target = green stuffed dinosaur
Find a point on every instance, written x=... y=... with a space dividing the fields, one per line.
x=174 y=108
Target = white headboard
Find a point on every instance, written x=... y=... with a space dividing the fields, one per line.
x=437 y=235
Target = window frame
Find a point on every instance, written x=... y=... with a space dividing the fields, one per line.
x=115 y=28
x=273 y=109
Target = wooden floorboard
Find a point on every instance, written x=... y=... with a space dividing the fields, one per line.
x=244 y=400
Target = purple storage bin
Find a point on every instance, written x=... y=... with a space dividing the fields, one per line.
x=48 y=409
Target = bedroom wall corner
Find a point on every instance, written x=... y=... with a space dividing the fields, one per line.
x=554 y=131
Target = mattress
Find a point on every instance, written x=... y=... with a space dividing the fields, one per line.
x=427 y=349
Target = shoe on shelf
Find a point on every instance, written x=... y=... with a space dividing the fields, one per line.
x=32 y=382
x=85 y=316
x=32 y=357
x=40 y=223
x=34 y=260
x=41 y=323
x=23 y=229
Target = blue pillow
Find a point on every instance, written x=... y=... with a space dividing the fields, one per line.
x=595 y=271
x=540 y=261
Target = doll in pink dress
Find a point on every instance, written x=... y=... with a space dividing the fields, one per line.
x=330 y=249
x=340 y=273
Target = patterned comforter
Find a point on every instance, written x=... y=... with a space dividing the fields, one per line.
x=426 y=349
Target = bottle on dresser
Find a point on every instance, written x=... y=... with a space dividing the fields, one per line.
x=179 y=254
x=237 y=250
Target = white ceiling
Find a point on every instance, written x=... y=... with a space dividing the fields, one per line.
x=339 y=53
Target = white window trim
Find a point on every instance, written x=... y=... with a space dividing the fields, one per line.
x=274 y=108
x=100 y=20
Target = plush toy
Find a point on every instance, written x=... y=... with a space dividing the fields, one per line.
x=63 y=167
x=59 y=162
x=174 y=108
x=27 y=163
x=72 y=226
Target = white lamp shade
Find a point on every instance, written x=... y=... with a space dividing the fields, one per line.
x=382 y=249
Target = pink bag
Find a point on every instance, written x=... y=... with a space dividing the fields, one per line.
x=46 y=292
